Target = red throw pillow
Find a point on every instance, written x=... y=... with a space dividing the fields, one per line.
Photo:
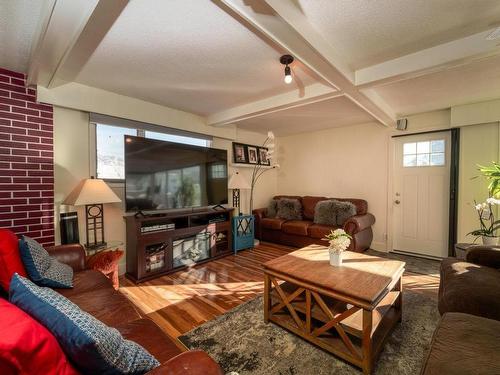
x=10 y=259
x=27 y=347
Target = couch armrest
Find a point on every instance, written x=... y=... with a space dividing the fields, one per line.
x=484 y=255
x=72 y=254
x=193 y=362
x=358 y=223
x=260 y=213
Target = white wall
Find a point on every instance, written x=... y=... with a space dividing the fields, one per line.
x=347 y=162
x=73 y=155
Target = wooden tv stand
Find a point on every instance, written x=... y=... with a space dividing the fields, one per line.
x=159 y=244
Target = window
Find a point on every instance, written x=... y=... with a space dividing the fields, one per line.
x=218 y=171
x=110 y=158
x=424 y=154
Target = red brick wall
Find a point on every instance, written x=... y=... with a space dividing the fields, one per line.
x=26 y=160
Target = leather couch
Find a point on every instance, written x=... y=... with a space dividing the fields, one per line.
x=94 y=293
x=299 y=233
x=467 y=339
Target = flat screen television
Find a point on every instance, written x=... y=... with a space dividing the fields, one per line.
x=163 y=175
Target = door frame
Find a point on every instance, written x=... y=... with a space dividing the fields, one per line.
x=453 y=194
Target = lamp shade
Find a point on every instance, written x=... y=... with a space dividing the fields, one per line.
x=238 y=182
x=91 y=191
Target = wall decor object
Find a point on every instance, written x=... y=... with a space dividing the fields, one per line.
x=264 y=156
x=253 y=157
x=239 y=153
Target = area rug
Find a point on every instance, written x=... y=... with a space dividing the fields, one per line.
x=240 y=341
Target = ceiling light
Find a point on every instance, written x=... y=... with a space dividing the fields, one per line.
x=287 y=60
x=495 y=34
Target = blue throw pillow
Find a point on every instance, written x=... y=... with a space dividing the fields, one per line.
x=42 y=268
x=92 y=346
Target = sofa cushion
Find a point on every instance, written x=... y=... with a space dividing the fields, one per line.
x=360 y=204
x=272 y=223
x=298 y=227
x=464 y=344
x=320 y=231
x=91 y=345
x=86 y=281
x=10 y=259
x=151 y=337
x=289 y=209
x=325 y=212
x=42 y=269
x=27 y=347
x=469 y=288
x=309 y=205
x=272 y=208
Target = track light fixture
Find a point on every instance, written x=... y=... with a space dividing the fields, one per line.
x=287 y=60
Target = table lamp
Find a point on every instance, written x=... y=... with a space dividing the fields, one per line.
x=237 y=182
x=92 y=193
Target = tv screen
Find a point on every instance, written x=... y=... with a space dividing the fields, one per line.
x=163 y=175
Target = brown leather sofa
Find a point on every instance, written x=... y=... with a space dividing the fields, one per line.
x=467 y=339
x=304 y=232
x=94 y=293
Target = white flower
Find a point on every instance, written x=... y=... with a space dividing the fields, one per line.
x=270 y=135
x=492 y=201
x=478 y=206
x=484 y=205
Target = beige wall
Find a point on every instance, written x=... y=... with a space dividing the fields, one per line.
x=348 y=162
x=72 y=156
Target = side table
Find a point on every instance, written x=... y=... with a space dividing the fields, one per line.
x=106 y=260
x=243 y=232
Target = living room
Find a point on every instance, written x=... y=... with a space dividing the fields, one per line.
x=249 y=187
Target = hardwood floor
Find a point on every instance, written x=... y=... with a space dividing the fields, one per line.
x=186 y=299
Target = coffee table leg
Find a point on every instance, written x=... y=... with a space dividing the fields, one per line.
x=399 y=301
x=267 y=297
x=367 y=342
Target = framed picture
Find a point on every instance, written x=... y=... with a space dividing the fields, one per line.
x=263 y=160
x=239 y=154
x=253 y=157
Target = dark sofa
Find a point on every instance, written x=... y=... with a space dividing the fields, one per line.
x=94 y=293
x=467 y=340
x=299 y=233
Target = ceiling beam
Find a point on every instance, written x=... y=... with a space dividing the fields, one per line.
x=431 y=60
x=282 y=24
x=311 y=94
x=69 y=36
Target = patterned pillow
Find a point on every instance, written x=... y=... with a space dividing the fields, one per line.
x=42 y=268
x=289 y=209
x=92 y=346
x=325 y=212
x=345 y=210
x=272 y=209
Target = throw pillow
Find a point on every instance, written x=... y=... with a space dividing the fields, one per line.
x=325 y=212
x=345 y=210
x=289 y=209
x=42 y=268
x=27 y=347
x=272 y=209
x=10 y=260
x=93 y=347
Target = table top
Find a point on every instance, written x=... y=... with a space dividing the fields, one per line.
x=361 y=277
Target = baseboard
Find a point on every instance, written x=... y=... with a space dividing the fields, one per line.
x=379 y=246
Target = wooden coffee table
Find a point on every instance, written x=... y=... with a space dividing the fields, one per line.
x=348 y=310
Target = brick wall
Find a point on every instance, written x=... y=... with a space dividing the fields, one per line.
x=26 y=160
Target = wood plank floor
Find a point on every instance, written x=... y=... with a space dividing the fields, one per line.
x=186 y=299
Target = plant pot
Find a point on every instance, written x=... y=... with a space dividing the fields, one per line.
x=490 y=241
x=335 y=259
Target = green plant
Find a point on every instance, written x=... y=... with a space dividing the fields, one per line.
x=488 y=224
x=492 y=174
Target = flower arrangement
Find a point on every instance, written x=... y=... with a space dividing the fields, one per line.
x=339 y=241
x=488 y=224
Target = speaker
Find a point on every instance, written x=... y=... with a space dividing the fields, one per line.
x=402 y=124
x=69 y=228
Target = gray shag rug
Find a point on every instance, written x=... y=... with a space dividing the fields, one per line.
x=240 y=341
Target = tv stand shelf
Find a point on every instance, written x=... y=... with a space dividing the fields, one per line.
x=159 y=244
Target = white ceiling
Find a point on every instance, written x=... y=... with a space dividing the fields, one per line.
x=187 y=54
x=18 y=24
x=365 y=33
x=330 y=113
x=466 y=84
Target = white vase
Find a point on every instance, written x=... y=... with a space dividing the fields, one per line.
x=335 y=259
x=490 y=241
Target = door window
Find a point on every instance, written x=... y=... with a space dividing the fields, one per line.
x=424 y=154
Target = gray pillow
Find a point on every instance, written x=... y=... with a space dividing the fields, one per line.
x=325 y=212
x=272 y=209
x=289 y=209
x=345 y=210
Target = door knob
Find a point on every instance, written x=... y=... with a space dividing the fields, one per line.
x=397 y=201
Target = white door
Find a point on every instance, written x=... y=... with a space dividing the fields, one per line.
x=421 y=193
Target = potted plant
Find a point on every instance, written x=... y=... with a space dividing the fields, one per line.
x=339 y=242
x=488 y=224
x=492 y=174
